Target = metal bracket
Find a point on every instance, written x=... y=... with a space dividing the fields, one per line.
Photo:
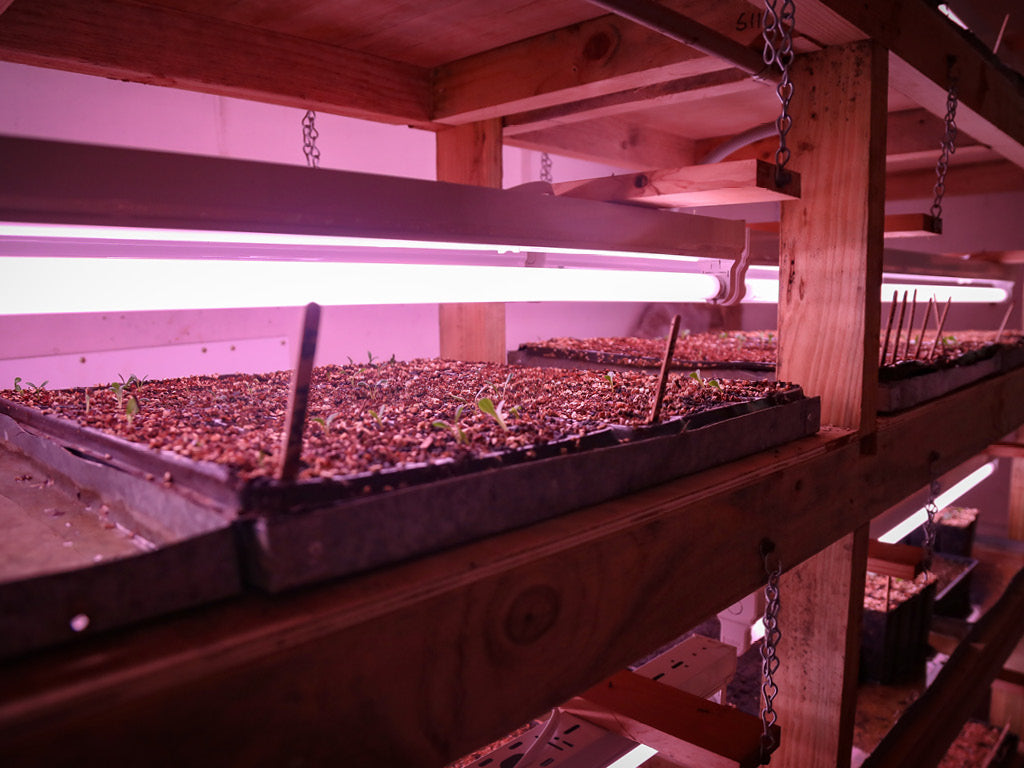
x=733 y=278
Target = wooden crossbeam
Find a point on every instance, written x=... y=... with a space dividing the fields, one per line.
x=897 y=226
x=162 y=46
x=901 y=561
x=594 y=58
x=683 y=727
x=731 y=182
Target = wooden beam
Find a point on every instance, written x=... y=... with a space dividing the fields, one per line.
x=901 y=561
x=471 y=154
x=897 y=226
x=686 y=90
x=161 y=46
x=830 y=272
x=615 y=141
x=831 y=240
x=976 y=179
x=688 y=31
x=594 y=58
x=819 y=655
x=684 y=728
x=922 y=41
x=730 y=182
x=1015 y=513
x=404 y=665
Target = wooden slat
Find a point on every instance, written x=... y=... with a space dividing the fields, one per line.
x=469 y=625
x=670 y=93
x=471 y=154
x=897 y=226
x=594 y=58
x=132 y=41
x=730 y=182
x=614 y=141
x=683 y=727
x=976 y=179
x=921 y=41
x=901 y=561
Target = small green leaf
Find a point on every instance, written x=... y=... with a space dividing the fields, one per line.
x=486 y=405
x=17 y=383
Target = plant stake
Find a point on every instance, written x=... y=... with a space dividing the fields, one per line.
x=659 y=394
x=924 y=326
x=910 y=325
x=942 y=324
x=888 y=327
x=1002 y=325
x=298 y=396
x=899 y=329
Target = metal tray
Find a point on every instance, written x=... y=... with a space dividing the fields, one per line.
x=300 y=533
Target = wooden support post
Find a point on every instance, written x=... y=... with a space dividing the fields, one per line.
x=1015 y=522
x=471 y=154
x=829 y=307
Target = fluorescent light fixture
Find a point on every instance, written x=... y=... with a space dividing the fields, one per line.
x=918 y=518
x=116 y=187
x=641 y=753
x=763 y=287
x=40 y=285
x=946 y=11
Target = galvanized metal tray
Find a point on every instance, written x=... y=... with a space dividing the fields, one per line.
x=291 y=534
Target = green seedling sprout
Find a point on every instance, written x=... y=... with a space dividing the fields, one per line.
x=325 y=423
x=376 y=416
x=610 y=378
x=17 y=383
x=487 y=405
x=695 y=375
x=131 y=408
x=118 y=389
x=456 y=428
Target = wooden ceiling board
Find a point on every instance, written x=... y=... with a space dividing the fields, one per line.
x=426 y=33
x=726 y=115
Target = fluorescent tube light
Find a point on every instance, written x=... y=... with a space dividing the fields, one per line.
x=918 y=518
x=71 y=241
x=640 y=754
x=763 y=287
x=40 y=285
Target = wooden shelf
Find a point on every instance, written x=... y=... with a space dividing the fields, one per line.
x=468 y=622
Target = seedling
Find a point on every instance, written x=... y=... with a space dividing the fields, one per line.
x=131 y=408
x=377 y=416
x=29 y=384
x=456 y=428
x=118 y=389
x=487 y=405
x=695 y=375
x=325 y=422
x=610 y=378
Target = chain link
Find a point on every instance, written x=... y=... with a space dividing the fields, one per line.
x=309 y=136
x=769 y=657
x=777 y=29
x=545 y=167
x=948 y=148
x=932 y=510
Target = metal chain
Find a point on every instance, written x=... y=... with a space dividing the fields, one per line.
x=948 y=148
x=309 y=136
x=777 y=29
x=769 y=657
x=545 y=167
x=932 y=510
